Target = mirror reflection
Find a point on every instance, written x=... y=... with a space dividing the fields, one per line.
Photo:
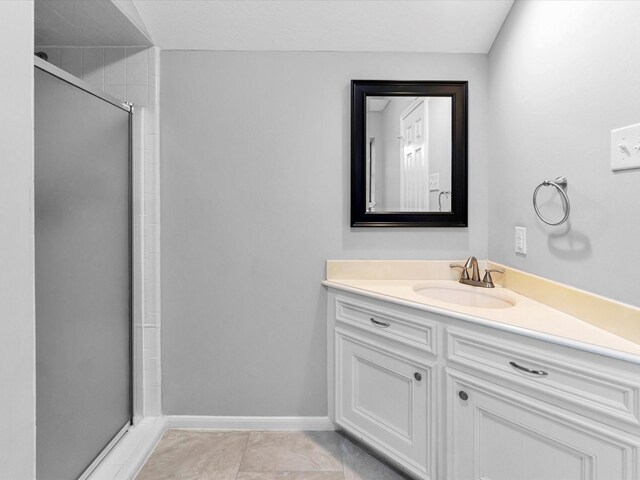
x=408 y=154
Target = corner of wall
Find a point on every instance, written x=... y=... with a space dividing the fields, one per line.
x=17 y=308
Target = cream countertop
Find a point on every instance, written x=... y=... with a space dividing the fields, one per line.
x=527 y=316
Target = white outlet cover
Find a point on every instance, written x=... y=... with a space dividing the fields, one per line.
x=434 y=182
x=521 y=240
x=625 y=148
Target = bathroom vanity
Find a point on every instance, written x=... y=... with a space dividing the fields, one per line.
x=502 y=389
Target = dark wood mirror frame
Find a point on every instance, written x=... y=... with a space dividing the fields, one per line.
x=457 y=91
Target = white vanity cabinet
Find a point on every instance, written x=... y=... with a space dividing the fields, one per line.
x=384 y=381
x=448 y=399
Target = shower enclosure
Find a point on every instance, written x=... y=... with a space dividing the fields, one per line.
x=83 y=273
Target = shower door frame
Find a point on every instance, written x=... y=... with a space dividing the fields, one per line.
x=135 y=358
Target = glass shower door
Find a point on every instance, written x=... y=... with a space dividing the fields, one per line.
x=82 y=276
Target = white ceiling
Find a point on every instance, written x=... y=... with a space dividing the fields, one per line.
x=377 y=104
x=83 y=23
x=325 y=25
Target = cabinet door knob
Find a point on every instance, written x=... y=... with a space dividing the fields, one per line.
x=417 y=376
x=463 y=395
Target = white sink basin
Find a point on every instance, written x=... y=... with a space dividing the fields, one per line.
x=464 y=295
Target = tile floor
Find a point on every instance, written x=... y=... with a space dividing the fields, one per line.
x=259 y=455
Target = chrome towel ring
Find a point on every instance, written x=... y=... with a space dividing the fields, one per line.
x=560 y=184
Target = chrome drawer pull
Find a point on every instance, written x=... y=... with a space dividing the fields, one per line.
x=380 y=324
x=528 y=370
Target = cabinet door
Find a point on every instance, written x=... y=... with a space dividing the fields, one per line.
x=383 y=398
x=497 y=434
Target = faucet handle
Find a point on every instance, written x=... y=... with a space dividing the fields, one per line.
x=464 y=275
x=487 y=280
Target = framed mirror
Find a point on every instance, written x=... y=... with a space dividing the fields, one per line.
x=408 y=153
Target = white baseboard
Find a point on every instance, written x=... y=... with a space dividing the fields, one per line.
x=201 y=422
x=129 y=455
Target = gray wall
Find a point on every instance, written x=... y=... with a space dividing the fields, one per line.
x=562 y=75
x=255 y=192
x=17 y=312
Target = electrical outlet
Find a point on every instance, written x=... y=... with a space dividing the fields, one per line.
x=434 y=182
x=521 y=240
x=625 y=148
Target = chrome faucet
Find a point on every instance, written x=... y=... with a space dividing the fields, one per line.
x=472 y=263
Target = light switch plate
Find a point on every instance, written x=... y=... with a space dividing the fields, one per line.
x=521 y=240
x=625 y=148
x=434 y=182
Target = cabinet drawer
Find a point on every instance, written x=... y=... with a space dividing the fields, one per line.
x=399 y=326
x=384 y=398
x=586 y=385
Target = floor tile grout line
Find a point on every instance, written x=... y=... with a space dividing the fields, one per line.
x=244 y=451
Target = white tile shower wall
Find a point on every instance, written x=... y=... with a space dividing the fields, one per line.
x=132 y=75
x=152 y=234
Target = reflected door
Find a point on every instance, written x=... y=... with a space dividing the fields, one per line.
x=414 y=173
x=82 y=279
